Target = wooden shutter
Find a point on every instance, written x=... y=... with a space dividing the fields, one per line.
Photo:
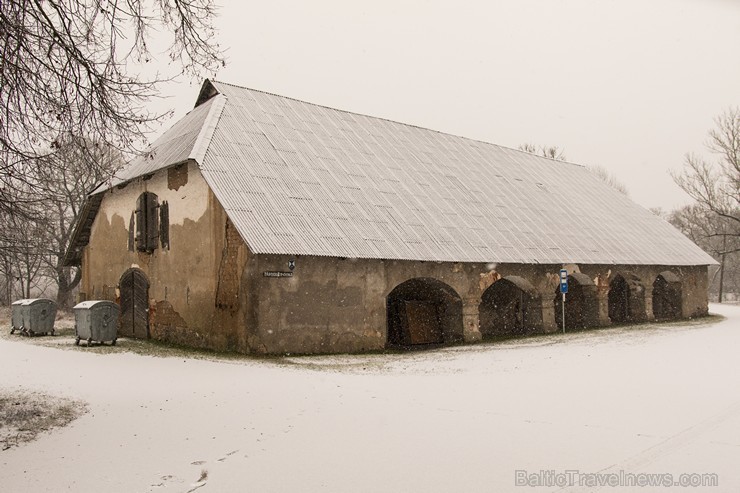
x=152 y=222
x=164 y=225
x=141 y=223
x=147 y=222
x=131 y=232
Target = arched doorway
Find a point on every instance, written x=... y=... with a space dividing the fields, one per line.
x=626 y=299
x=508 y=307
x=667 y=296
x=423 y=311
x=581 y=304
x=134 y=288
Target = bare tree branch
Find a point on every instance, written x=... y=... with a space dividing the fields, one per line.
x=715 y=186
x=69 y=67
x=33 y=244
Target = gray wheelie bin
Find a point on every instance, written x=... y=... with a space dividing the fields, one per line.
x=96 y=320
x=16 y=316
x=33 y=316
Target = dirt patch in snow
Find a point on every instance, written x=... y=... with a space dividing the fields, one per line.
x=24 y=415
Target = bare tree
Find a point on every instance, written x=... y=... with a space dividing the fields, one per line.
x=66 y=69
x=6 y=279
x=28 y=263
x=552 y=152
x=21 y=243
x=64 y=180
x=713 y=233
x=34 y=241
x=715 y=185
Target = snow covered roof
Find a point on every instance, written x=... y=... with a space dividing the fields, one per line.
x=299 y=178
x=186 y=139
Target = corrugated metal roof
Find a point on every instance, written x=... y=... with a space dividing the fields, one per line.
x=298 y=178
x=187 y=139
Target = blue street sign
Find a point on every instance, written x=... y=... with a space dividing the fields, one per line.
x=563 y=281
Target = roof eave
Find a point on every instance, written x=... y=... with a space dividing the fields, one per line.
x=81 y=234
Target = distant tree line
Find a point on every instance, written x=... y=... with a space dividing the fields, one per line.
x=555 y=152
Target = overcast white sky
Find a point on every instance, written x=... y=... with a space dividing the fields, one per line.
x=631 y=85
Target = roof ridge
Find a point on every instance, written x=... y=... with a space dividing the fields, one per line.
x=205 y=135
x=398 y=123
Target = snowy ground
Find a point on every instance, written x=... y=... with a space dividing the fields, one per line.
x=652 y=399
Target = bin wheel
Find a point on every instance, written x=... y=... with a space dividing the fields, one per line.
x=113 y=343
x=52 y=332
x=12 y=330
x=77 y=341
x=89 y=342
x=31 y=333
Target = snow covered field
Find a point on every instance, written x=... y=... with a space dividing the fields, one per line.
x=662 y=398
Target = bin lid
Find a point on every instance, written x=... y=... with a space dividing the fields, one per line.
x=32 y=301
x=86 y=305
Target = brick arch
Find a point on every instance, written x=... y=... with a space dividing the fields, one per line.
x=667 y=296
x=423 y=311
x=581 y=303
x=626 y=299
x=510 y=306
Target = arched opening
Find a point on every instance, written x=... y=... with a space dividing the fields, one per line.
x=581 y=304
x=423 y=311
x=626 y=299
x=667 y=296
x=509 y=307
x=619 y=300
x=134 y=288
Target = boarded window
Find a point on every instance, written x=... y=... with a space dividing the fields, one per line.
x=147 y=222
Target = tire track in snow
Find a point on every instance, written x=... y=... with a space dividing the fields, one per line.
x=675 y=442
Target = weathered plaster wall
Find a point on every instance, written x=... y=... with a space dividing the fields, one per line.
x=183 y=277
x=694 y=287
x=339 y=305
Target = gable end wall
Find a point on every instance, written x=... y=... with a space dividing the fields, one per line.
x=184 y=277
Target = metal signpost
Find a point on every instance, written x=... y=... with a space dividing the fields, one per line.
x=563 y=289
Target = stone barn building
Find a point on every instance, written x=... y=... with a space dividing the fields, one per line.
x=263 y=224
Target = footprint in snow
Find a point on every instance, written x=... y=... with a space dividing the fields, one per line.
x=229 y=454
x=167 y=478
x=201 y=481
